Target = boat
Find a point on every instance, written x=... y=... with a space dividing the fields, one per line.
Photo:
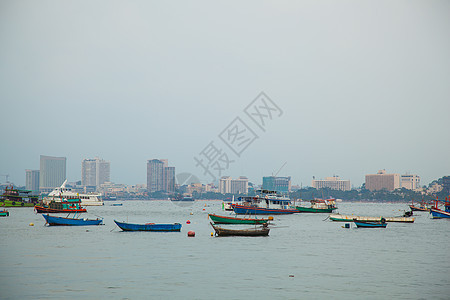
x=226 y=205
x=381 y=223
x=235 y=220
x=422 y=206
x=439 y=213
x=148 y=226
x=66 y=221
x=256 y=231
x=64 y=193
x=4 y=213
x=350 y=218
x=319 y=206
x=116 y=204
x=65 y=206
x=266 y=203
x=12 y=197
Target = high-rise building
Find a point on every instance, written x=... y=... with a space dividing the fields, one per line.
x=334 y=183
x=382 y=181
x=32 y=180
x=279 y=184
x=225 y=185
x=52 y=172
x=95 y=172
x=240 y=185
x=160 y=177
x=410 y=182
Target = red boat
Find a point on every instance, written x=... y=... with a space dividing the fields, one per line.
x=423 y=207
x=64 y=206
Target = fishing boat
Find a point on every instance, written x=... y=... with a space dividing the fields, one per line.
x=226 y=205
x=148 y=226
x=12 y=197
x=319 y=206
x=66 y=221
x=350 y=218
x=439 y=213
x=422 y=206
x=371 y=224
x=256 y=231
x=235 y=220
x=65 y=206
x=266 y=203
x=64 y=193
x=4 y=213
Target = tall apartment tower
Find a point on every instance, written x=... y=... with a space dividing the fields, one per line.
x=334 y=183
x=52 y=172
x=279 y=184
x=95 y=172
x=225 y=185
x=32 y=180
x=382 y=181
x=160 y=177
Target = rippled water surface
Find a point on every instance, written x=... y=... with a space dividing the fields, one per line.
x=304 y=257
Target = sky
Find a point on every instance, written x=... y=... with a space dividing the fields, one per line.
x=354 y=87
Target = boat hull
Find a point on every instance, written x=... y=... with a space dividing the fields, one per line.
x=347 y=218
x=9 y=203
x=251 y=210
x=302 y=209
x=241 y=232
x=61 y=221
x=439 y=214
x=4 y=213
x=415 y=208
x=233 y=220
x=42 y=210
x=148 y=227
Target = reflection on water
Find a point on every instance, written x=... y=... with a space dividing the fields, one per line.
x=304 y=256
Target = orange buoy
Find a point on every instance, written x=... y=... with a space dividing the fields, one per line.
x=188 y=222
x=191 y=233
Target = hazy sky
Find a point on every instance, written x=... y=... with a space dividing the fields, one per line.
x=362 y=85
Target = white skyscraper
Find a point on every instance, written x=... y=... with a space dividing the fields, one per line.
x=95 y=172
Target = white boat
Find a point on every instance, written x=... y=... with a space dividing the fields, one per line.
x=90 y=199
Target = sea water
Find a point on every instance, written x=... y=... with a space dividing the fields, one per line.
x=306 y=256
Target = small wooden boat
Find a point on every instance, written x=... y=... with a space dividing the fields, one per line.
x=319 y=206
x=62 y=221
x=4 y=213
x=116 y=204
x=349 y=218
x=439 y=213
x=256 y=231
x=65 y=206
x=235 y=220
x=367 y=224
x=148 y=226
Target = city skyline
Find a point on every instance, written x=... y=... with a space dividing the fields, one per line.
x=355 y=91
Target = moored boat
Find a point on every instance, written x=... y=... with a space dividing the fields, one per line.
x=235 y=220
x=66 y=221
x=12 y=197
x=350 y=218
x=266 y=203
x=66 y=206
x=256 y=231
x=148 y=226
x=4 y=213
x=422 y=206
x=64 y=193
x=439 y=213
x=319 y=206
x=381 y=223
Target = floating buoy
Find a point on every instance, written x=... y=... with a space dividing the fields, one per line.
x=203 y=209
x=270 y=218
x=31 y=224
x=191 y=233
x=291 y=275
x=212 y=234
x=205 y=204
x=192 y=213
x=188 y=222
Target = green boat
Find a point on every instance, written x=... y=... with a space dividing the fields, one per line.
x=234 y=220
x=319 y=206
x=12 y=197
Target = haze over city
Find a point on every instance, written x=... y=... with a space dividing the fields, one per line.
x=360 y=87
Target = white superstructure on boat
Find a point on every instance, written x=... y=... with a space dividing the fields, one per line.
x=91 y=199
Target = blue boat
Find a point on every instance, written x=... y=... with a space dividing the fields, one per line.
x=66 y=221
x=439 y=213
x=370 y=224
x=148 y=226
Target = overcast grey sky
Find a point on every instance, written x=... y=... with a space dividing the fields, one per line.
x=363 y=85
